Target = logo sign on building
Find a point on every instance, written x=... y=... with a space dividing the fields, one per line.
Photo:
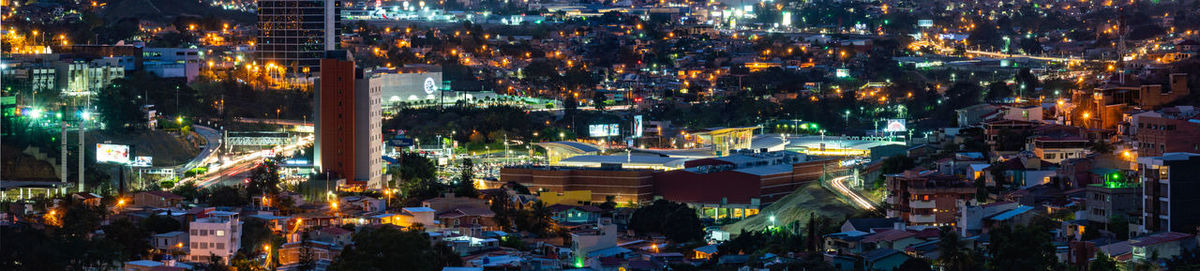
x=895 y=125
x=112 y=153
x=637 y=126
x=142 y=161
x=400 y=141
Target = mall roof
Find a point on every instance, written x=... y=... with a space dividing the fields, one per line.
x=572 y=146
x=629 y=160
x=766 y=170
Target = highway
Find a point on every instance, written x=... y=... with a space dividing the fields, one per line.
x=236 y=167
x=860 y=201
x=939 y=47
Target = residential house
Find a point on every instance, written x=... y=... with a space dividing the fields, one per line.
x=87 y=198
x=575 y=214
x=883 y=259
x=156 y=199
x=217 y=233
x=970 y=219
x=322 y=253
x=1164 y=245
x=175 y=240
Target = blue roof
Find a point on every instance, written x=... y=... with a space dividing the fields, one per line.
x=418 y=209
x=709 y=249
x=1011 y=213
x=608 y=252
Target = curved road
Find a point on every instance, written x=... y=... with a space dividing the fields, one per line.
x=860 y=201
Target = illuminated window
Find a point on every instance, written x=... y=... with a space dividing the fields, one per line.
x=220 y=233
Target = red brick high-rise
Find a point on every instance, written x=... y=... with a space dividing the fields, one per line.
x=335 y=115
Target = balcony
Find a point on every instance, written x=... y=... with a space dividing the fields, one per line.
x=922 y=204
x=922 y=219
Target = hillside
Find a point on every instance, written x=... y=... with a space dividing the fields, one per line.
x=797 y=206
x=166 y=149
x=165 y=10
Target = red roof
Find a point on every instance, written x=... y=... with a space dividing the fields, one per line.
x=888 y=235
x=1159 y=238
x=165 y=195
x=335 y=231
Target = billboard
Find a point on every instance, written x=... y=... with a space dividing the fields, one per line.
x=842 y=73
x=408 y=87
x=895 y=125
x=112 y=153
x=637 y=126
x=142 y=161
x=603 y=130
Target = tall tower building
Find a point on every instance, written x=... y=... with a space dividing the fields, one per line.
x=1169 y=183
x=349 y=140
x=293 y=35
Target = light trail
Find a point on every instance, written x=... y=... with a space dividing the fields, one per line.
x=861 y=201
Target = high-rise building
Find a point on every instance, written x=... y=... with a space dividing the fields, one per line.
x=1169 y=183
x=349 y=135
x=294 y=34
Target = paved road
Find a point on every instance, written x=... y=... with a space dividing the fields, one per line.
x=860 y=201
x=1006 y=55
x=234 y=169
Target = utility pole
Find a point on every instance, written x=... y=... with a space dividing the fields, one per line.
x=82 y=151
x=63 y=140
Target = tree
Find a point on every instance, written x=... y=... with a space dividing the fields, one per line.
x=1101 y=147
x=609 y=204
x=897 y=164
x=389 y=248
x=1027 y=82
x=79 y=220
x=1103 y=263
x=264 y=179
x=955 y=257
x=598 y=100
x=133 y=240
x=997 y=91
x=1119 y=225
x=160 y=224
x=306 y=260
x=676 y=221
x=227 y=196
x=416 y=166
x=255 y=234
x=117 y=105
x=188 y=190
x=915 y=264
x=466 y=181
x=1022 y=248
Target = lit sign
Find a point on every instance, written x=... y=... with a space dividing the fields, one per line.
x=895 y=125
x=142 y=161
x=603 y=130
x=842 y=73
x=637 y=126
x=113 y=153
x=430 y=85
